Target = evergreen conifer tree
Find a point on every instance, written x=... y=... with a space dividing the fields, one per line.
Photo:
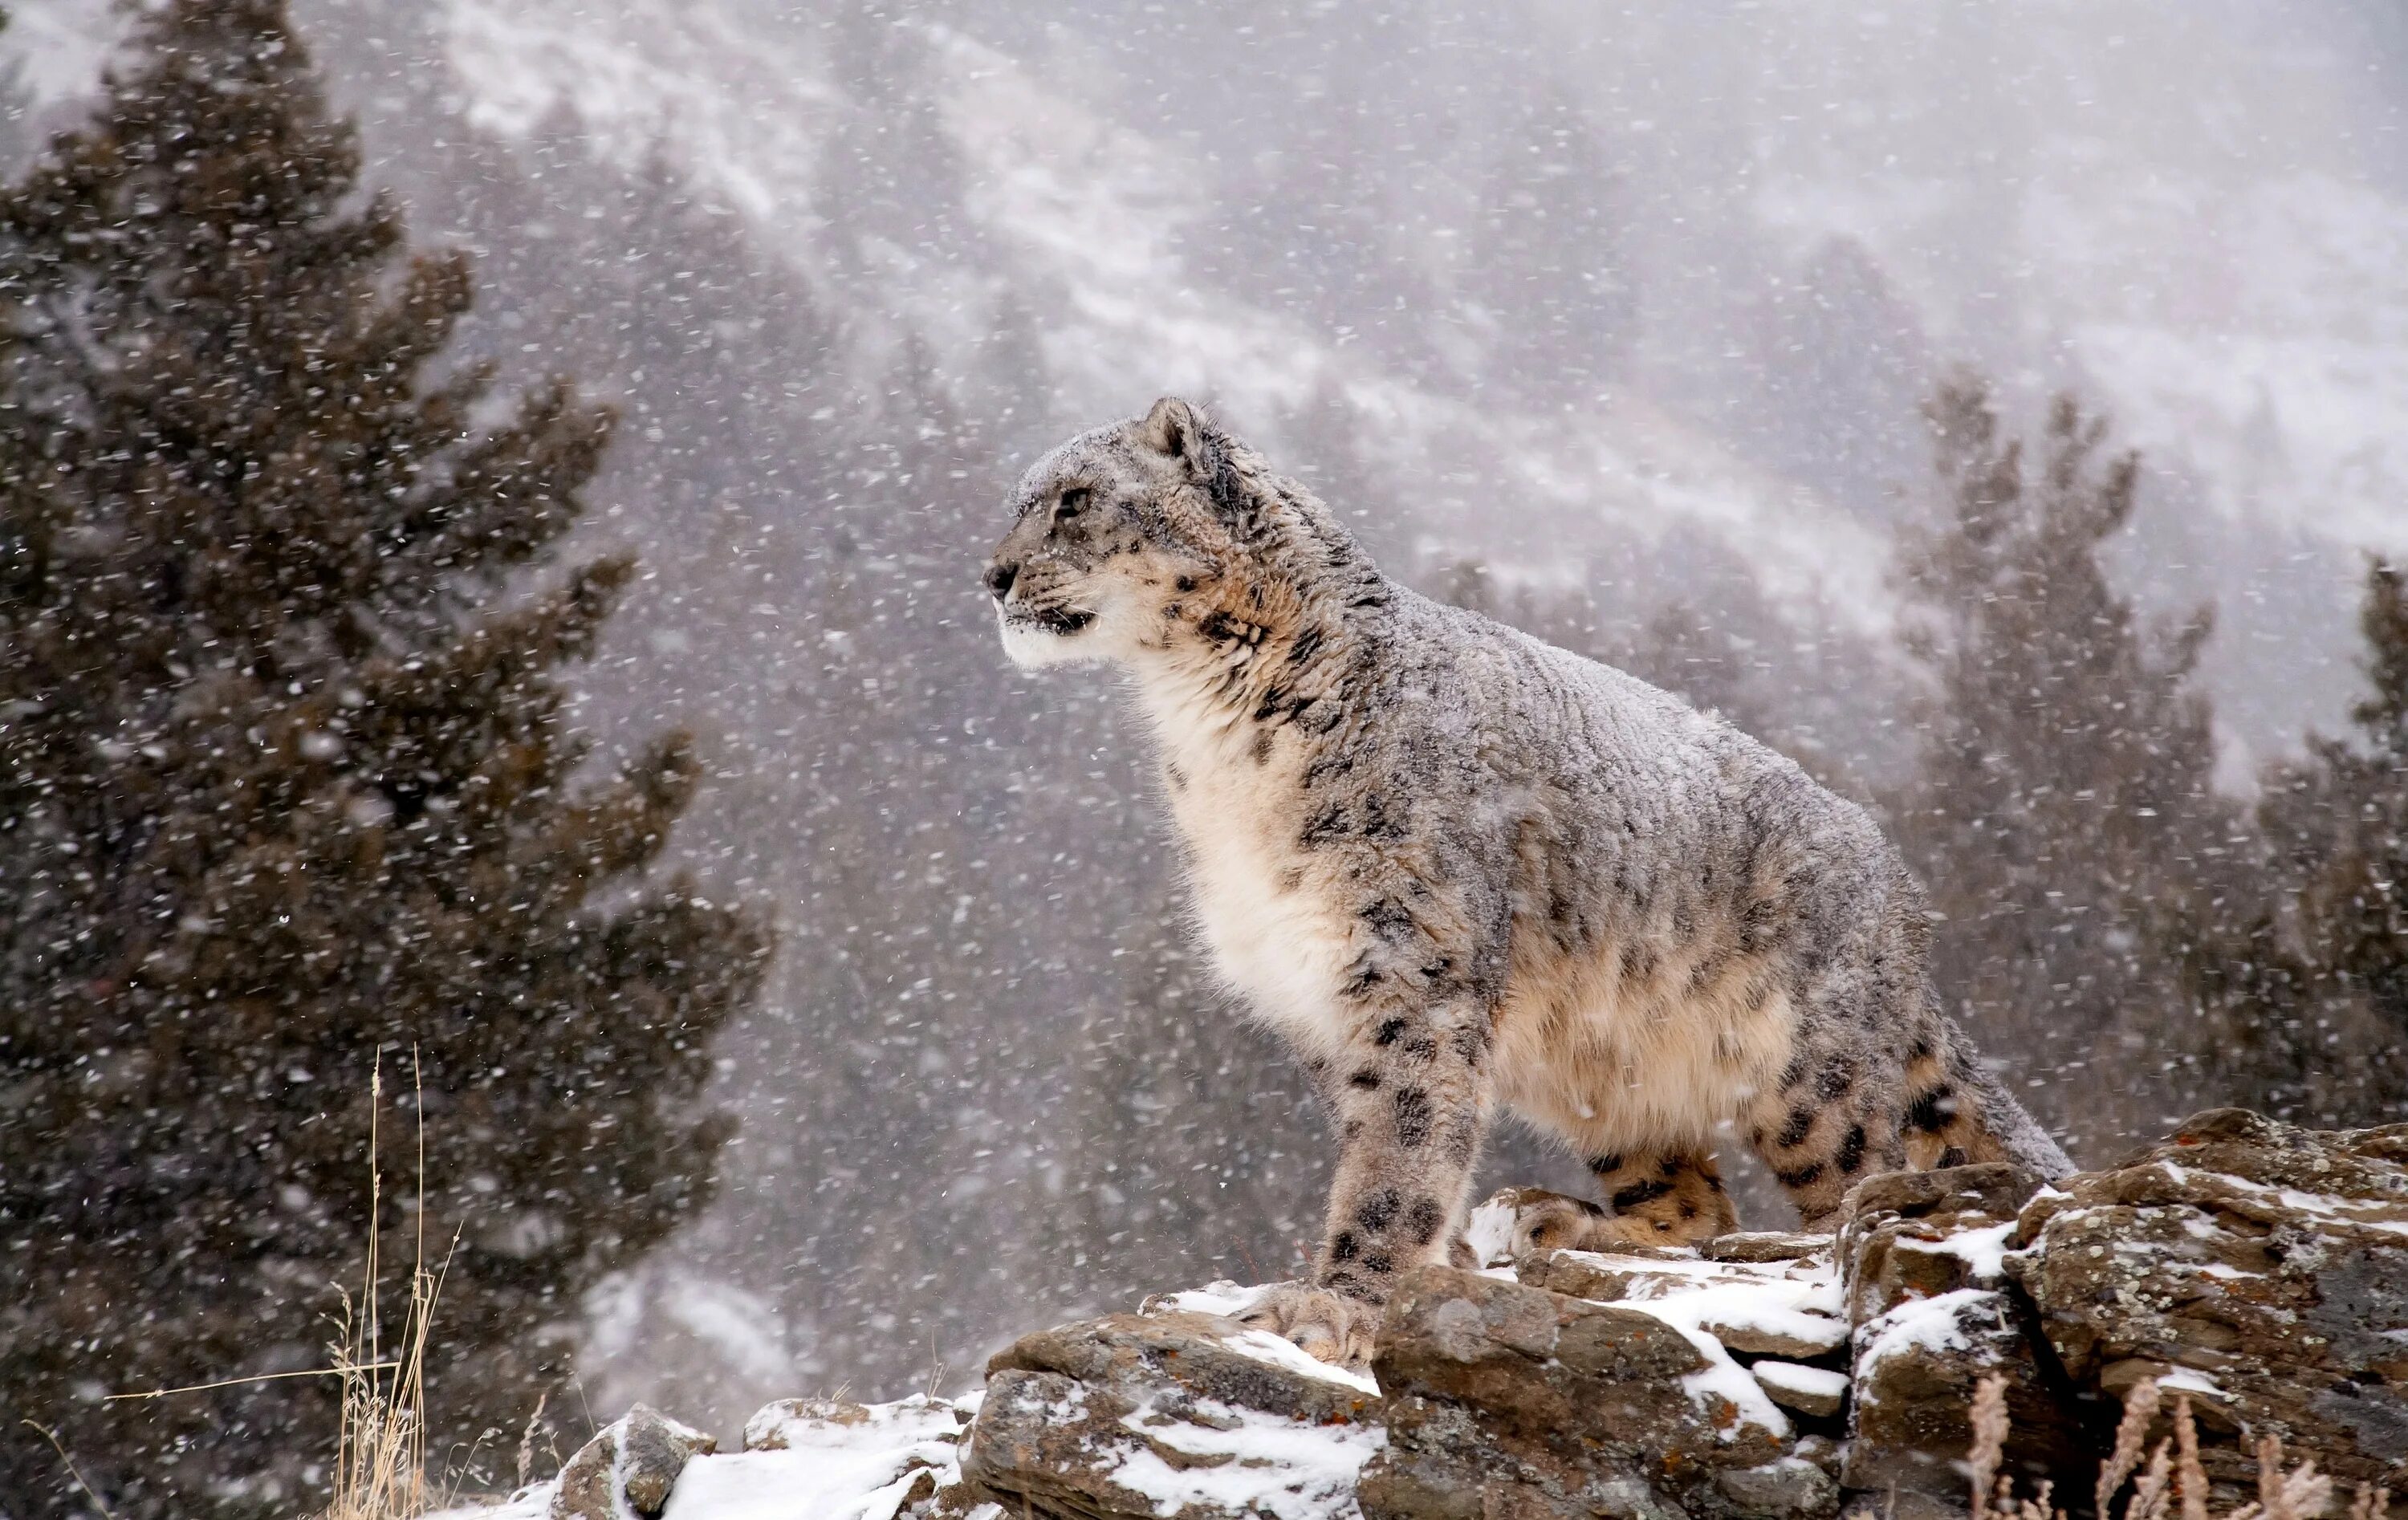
x=2305 y=984
x=287 y=790
x=2063 y=800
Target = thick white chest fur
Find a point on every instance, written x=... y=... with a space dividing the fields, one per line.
x=1272 y=935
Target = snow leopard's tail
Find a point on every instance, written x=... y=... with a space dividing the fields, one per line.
x=1961 y=1113
x=2011 y=1127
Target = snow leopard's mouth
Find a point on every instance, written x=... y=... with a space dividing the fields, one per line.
x=1063 y=621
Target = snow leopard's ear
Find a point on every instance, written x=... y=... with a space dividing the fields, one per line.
x=1173 y=428
x=1185 y=433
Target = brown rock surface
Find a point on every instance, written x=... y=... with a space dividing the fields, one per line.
x=1817 y=1392
x=2261 y=1268
x=1510 y=1400
x=2266 y=1263
x=1920 y=1259
x=1758 y=1245
x=1911 y=1387
x=1911 y=1234
x=639 y=1456
x=1163 y=1416
x=1605 y=1276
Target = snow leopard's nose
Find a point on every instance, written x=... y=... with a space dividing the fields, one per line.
x=1000 y=574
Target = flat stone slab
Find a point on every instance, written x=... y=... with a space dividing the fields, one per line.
x=1765 y=1246
x=1816 y=1391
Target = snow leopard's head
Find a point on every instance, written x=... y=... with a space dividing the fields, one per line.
x=1111 y=529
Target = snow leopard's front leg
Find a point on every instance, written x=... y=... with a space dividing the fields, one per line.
x=1409 y=1094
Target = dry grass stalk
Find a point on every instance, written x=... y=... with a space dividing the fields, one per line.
x=381 y=1453
x=2149 y=1494
x=2192 y=1477
x=2174 y=1467
x=1989 y=1418
x=379 y=1465
x=59 y=1446
x=527 y=1437
x=2132 y=1435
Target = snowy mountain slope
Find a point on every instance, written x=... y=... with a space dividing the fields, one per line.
x=2225 y=268
x=59 y=47
x=741 y=104
x=1085 y=215
x=2228 y=272
x=1092 y=209
x=2192 y=212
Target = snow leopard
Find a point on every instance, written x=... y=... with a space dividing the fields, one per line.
x=1457 y=867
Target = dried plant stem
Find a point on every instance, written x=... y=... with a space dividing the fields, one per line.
x=2192 y=1477
x=527 y=1437
x=1990 y=1421
x=2172 y=1469
x=2132 y=1436
x=380 y=1451
x=53 y=1437
x=2149 y=1494
x=381 y=1457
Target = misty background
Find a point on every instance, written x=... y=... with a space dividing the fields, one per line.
x=1623 y=309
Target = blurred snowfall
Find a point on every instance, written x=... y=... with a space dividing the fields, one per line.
x=1635 y=298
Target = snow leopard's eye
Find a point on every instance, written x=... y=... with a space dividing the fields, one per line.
x=1073 y=501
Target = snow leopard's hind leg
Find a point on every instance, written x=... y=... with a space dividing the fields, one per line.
x=1943 y=1107
x=1842 y=1113
x=1826 y=1129
x=1669 y=1198
x=1837 y=1112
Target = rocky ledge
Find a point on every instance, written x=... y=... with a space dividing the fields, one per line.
x=2257 y=1271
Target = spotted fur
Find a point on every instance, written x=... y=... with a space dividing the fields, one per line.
x=1456 y=867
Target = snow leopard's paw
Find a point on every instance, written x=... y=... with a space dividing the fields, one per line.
x=1329 y=1326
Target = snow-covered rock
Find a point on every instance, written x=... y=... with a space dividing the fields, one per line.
x=2260 y=1268
x=1171 y=1414
x=1931 y=1316
x=629 y=1466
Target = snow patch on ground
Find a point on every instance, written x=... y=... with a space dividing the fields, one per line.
x=1983 y=1251
x=860 y=1470
x=532 y=1502
x=1797 y=1301
x=1244 y=1461
x=1263 y=1346
x=1922 y=1324
x=2192 y=1381
x=1221 y=1297
x=862 y=1467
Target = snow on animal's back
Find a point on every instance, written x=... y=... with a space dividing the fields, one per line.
x=1657 y=1026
